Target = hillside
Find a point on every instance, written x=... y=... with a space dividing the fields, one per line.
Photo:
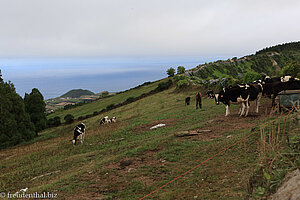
x=76 y=93
x=218 y=157
x=100 y=104
x=268 y=61
x=127 y=160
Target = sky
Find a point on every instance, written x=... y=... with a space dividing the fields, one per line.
x=47 y=38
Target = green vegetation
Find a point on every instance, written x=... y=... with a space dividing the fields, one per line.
x=269 y=61
x=180 y=70
x=36 y=108
x=15 y=124
x=171 y=72
x=77 y=93
x=128 y=160
x=108 y=102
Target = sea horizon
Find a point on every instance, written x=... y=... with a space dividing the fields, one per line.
x=55 y=77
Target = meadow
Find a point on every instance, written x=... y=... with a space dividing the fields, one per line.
x=128 y=160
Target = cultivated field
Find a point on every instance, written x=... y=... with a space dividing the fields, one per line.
x=127 y=160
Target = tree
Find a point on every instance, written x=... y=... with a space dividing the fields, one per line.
x=36 y=108
x=15 y=124
x=69 y=119
x=171 y=72
x=180 y=70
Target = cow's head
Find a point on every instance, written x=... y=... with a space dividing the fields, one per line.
x=210 y=94
x=219 y=97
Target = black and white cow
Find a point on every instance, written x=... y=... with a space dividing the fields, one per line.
x=240 y=94
x=210 y=94
x=113 y=120
x=104 y=120
x=198 y=100
x=79 y=130
x=187 y=101
x=271 y=90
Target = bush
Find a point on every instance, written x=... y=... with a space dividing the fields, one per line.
x=69 y=118
x=53 y=122
x=111 y=106
x=293 y=69
x=183 y=84
x=130 y=99
x=164 y=85
x=249 y=77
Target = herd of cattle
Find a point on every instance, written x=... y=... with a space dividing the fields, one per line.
x=79 y=130
x=241 y=94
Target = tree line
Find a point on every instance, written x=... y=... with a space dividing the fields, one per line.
x=20 y=119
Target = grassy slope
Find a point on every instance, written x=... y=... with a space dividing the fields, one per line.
x=156 y=156
x=103 y=103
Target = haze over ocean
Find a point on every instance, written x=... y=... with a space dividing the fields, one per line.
x=54 y=77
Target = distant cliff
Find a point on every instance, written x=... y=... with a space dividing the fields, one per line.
x=77 y=93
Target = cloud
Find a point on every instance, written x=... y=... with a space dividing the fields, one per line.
x=96 y=28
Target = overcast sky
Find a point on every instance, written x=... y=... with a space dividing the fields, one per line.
x=137 y=28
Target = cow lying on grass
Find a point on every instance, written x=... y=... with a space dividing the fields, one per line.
x=79 y=130
x=104 y=120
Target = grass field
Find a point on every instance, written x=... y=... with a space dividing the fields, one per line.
x=127 y=160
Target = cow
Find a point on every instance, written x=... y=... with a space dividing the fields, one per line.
x=240 y=94
x=113 y=120
x=104 y=120
x=210 y=94
x=187 y=101
x=79 y=130
x=271 y=90
x=198 y=100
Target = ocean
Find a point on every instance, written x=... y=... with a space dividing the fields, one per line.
x=55 y=77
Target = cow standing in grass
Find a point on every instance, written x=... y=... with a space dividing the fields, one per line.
x=198 y=100
x=240 y=94
x=79 y=130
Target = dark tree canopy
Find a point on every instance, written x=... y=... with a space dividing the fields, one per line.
x=36 y=108
x=15 y=124
x=171 y=72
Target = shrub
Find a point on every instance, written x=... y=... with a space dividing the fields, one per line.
x=183 y=84
x=130 y=99
x=164 y=85
x=249 y=77
x=69 y=118
x=111 y=106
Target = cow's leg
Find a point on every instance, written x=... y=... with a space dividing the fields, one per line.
x=227 y=110
x=247 y=107
x=243 y=109
x=80 y=138
x=83 y=135
x=240 y=109
x=257 y=102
